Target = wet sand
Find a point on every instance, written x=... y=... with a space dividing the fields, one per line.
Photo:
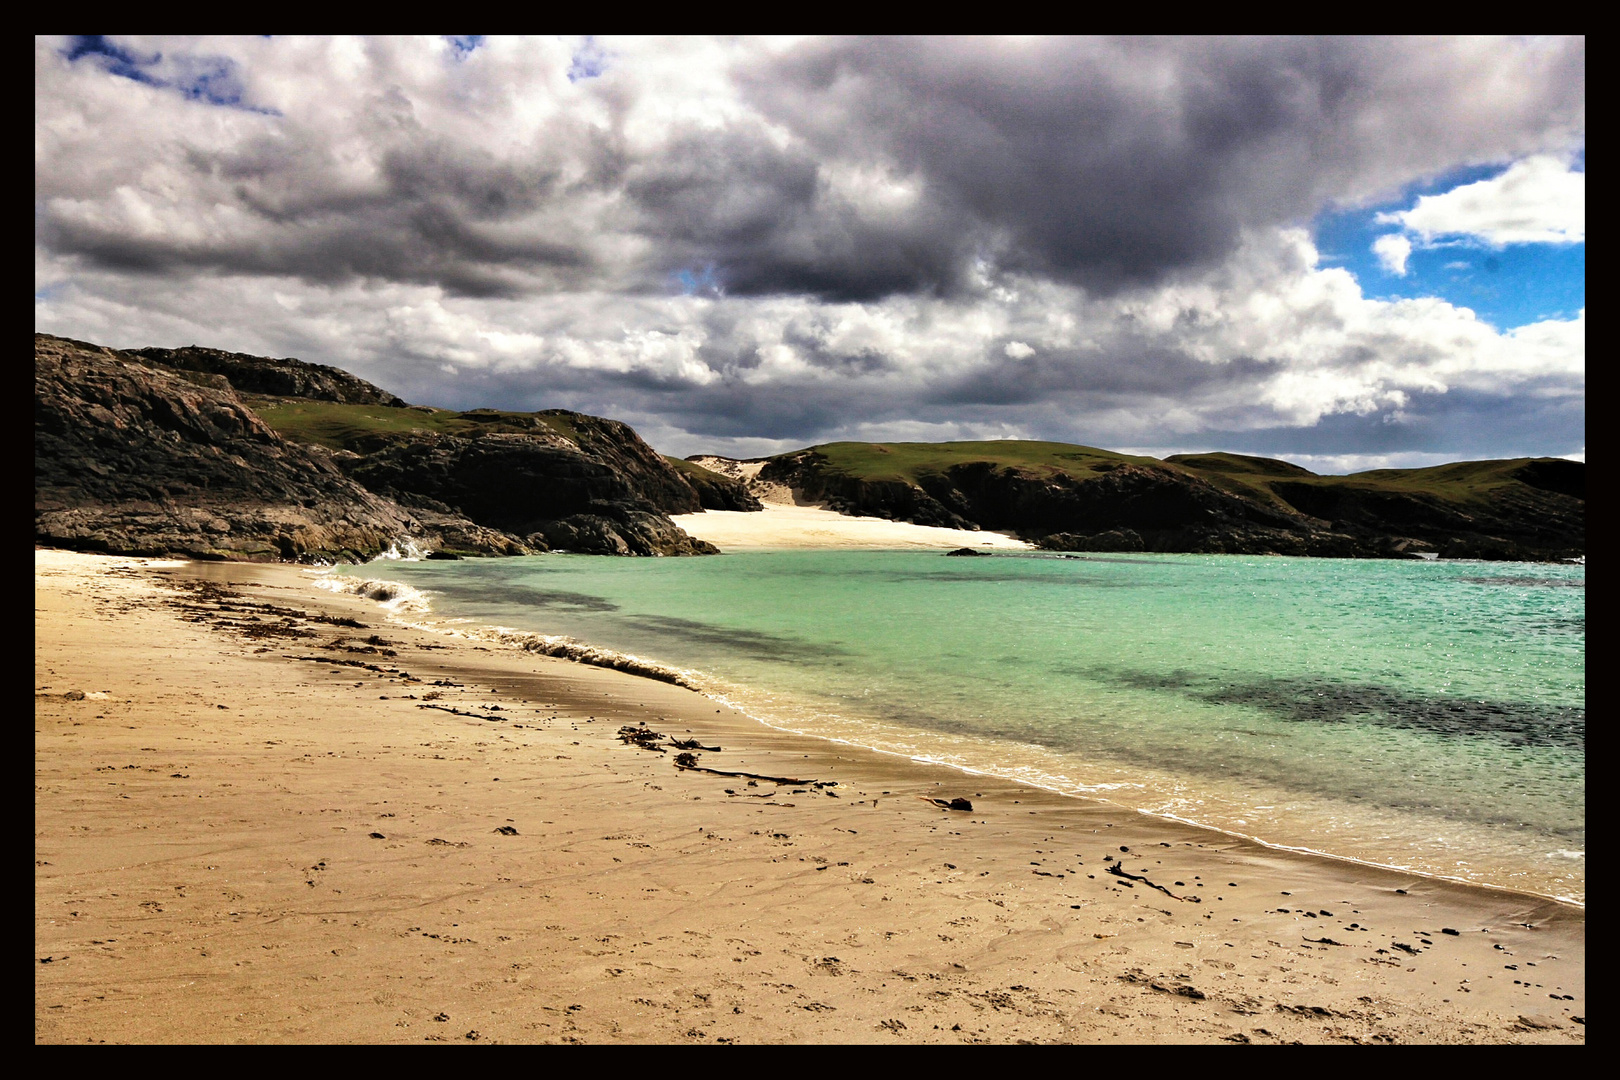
x=255 y=822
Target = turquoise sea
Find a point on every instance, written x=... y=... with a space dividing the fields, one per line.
x=1426 y=715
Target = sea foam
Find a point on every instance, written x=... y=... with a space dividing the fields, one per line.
x=401 y=550
x=395 y=597
x=566 y=648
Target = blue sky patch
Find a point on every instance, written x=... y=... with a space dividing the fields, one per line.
x=704 y=281
x=115 y=59
x=1507 y=286
x=589 y=61
x=212 y=80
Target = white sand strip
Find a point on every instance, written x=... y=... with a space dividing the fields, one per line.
x=780 y=526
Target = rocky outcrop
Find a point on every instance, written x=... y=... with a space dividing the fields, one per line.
x=807 y=475
x=629 y=532
x=716 y=491
x=543 y=487
x=1517 y=522
x=158 y=452
x=1163 y=508
x=270 y=377
x=139 y=460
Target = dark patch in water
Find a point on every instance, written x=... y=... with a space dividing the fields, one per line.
x=1068 y=557
x=1530 y=582
x=748 y=642
x=1308 y=700
x=977 y=574
x=525 y=596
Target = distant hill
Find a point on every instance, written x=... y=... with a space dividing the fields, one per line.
x=1080 y=498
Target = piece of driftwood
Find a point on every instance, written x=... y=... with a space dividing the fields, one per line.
x=458 y=712
x=1119 y=871
x=690 y=761
x=953 y=804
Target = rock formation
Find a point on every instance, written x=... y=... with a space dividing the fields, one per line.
x=151 y=461
x=212 y=454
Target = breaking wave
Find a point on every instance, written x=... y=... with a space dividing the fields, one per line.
x=567 y=648
x=404 y=549
x=393 y=596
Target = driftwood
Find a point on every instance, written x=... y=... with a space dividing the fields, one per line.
x=646 y=738
x=953 y=804
x=347 y=663
x=458 y=712
x=1119 y=871
x=689 y=761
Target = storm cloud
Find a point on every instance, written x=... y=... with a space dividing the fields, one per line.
x=747 y=245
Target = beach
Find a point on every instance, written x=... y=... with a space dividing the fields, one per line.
x=784 y=524
x=264 y=812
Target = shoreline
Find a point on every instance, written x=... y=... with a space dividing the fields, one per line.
x=854 y=911
x=977 y=755
x=1121 y=807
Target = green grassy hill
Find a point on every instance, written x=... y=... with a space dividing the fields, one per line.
x=349 y=427
x=1081 y=496
x=910 y=462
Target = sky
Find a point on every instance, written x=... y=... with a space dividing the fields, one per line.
x=1349 y=253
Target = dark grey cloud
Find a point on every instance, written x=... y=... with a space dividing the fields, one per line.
x=1113 y=163
x=1456 y=425
x=752 y=245
x=1099 y=162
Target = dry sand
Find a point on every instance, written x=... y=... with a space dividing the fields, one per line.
x=249 y=828
x=786 y=525
x=789 y=520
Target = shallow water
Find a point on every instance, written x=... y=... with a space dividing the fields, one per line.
x=1428 y=715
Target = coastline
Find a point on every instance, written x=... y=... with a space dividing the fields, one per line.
x=207 y=869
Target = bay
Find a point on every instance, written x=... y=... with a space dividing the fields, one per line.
x=1425 y=715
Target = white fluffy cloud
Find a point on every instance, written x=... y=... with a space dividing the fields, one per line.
x=1393 y=250
x=1540 y=200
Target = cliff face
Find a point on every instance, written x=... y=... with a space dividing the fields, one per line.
x=541 y=487
x=141 y=460
x=1079 y=499
x=219 y=455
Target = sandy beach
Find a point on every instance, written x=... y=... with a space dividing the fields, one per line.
x=788 y=525
x=266 y=813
